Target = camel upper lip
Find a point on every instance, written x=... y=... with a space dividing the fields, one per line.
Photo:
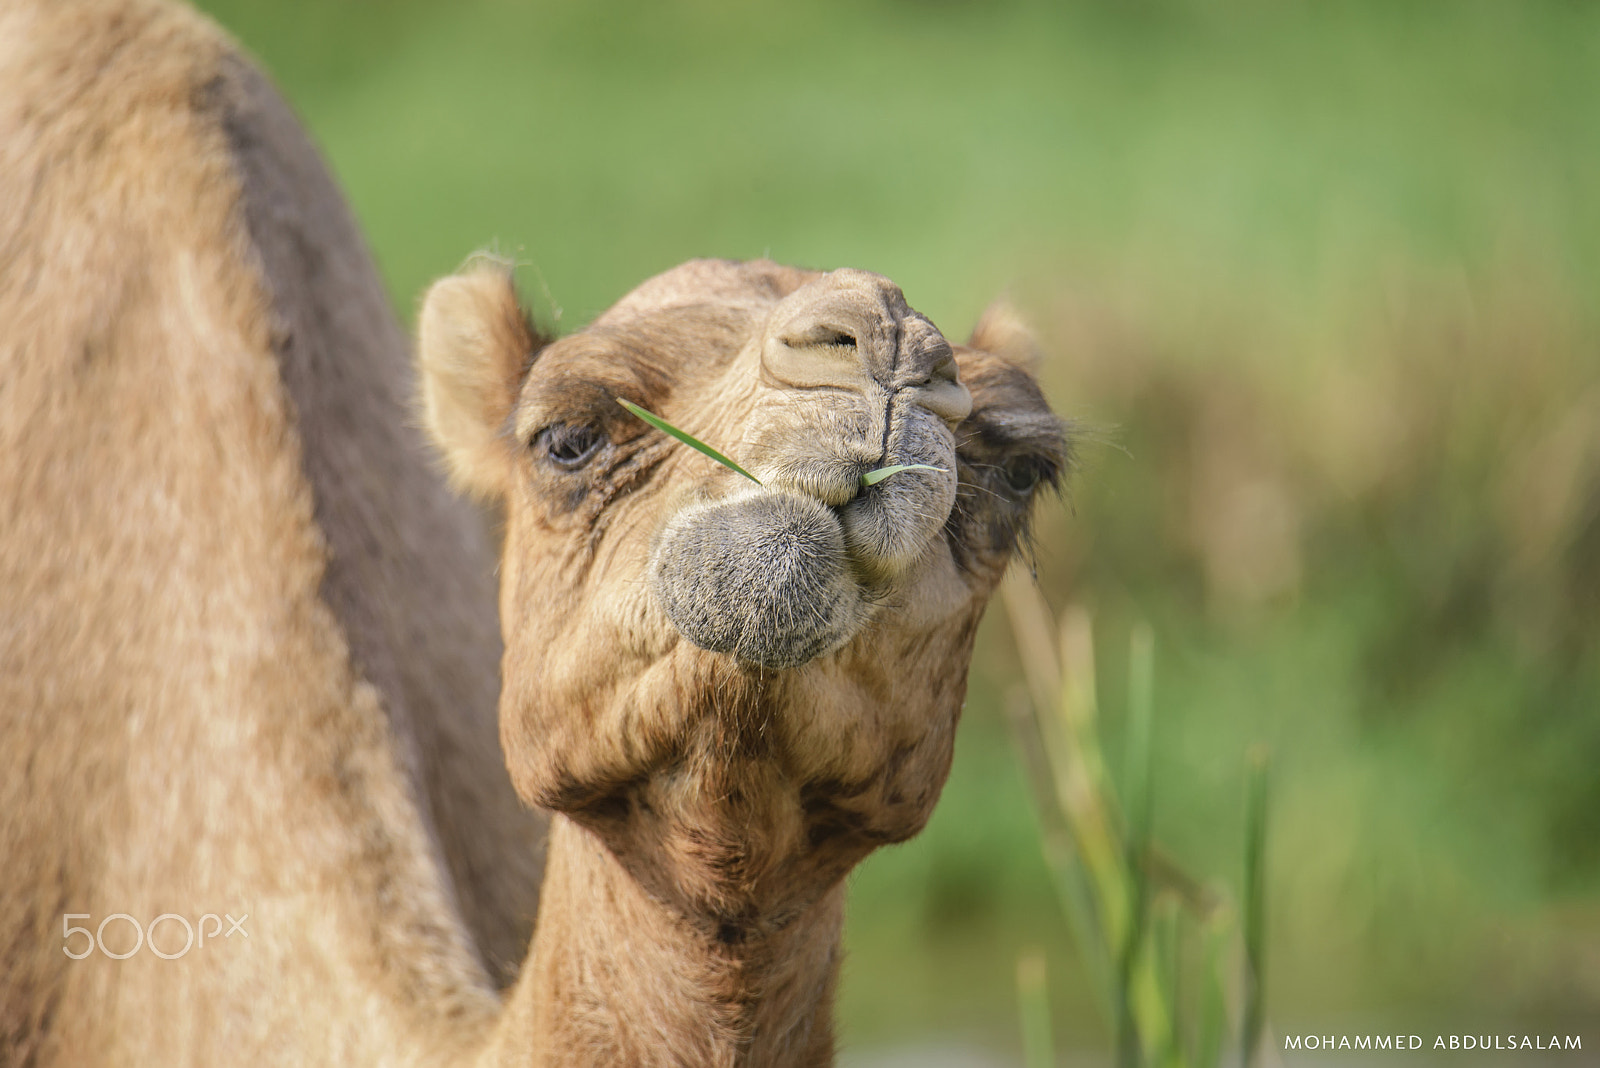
x=833 y=480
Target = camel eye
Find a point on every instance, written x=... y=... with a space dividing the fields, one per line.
x=1022 y=474
x=569 y=446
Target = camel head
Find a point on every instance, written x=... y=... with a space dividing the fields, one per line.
x=741 y=688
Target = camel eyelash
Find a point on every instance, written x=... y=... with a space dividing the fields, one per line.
x=569 y=445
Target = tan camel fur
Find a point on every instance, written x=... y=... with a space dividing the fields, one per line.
x=247 y=645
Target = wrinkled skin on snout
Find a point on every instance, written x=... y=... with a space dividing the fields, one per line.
x=742 y=688
x=843 y=377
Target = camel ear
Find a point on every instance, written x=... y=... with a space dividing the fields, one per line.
x=1002 y=332
x=474 y=345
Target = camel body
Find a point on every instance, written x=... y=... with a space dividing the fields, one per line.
x=249 y=661
x=248 y=658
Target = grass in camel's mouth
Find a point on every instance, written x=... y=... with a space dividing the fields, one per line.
x=870 y=478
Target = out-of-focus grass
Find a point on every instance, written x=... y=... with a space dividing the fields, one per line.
x=1161 y=949
x=958 y=147
x=1323 y=276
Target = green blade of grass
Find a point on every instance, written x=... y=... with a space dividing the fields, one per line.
x=1141 y=675
x=688 y=439
x=1137 y=1041
x=1216 y=938
x=872 y=478
x=1255 y=908
x=1167 y=935
x=1151 y=1016
x=1061 y=856
x=1038 y=1044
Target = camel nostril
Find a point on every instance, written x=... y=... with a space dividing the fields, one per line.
x=944 y=396
x=820 y=354
x=942 y=372
x=831 y=336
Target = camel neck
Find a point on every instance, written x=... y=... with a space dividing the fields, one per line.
x=618 y=977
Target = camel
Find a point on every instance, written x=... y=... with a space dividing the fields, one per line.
x=250 y=662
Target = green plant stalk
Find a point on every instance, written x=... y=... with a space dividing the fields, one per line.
x=1167 y=953
x=1255 y=908
x=1077 y=900
x=1150 y=1014
x=1033 y=1001
x=1055 y=838
x=687 y=438
x=1141 y=1018
x=1080 y=792
x=871 y=478
x=1071 y=789
x=1141 y=705
x=1136 y=1037
x=1216 y=935
x=1082 y=784
x=1107 y=869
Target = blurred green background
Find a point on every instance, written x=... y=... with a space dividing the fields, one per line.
x=1320 y=282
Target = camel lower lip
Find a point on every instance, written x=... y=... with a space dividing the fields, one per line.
x=765 y=577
